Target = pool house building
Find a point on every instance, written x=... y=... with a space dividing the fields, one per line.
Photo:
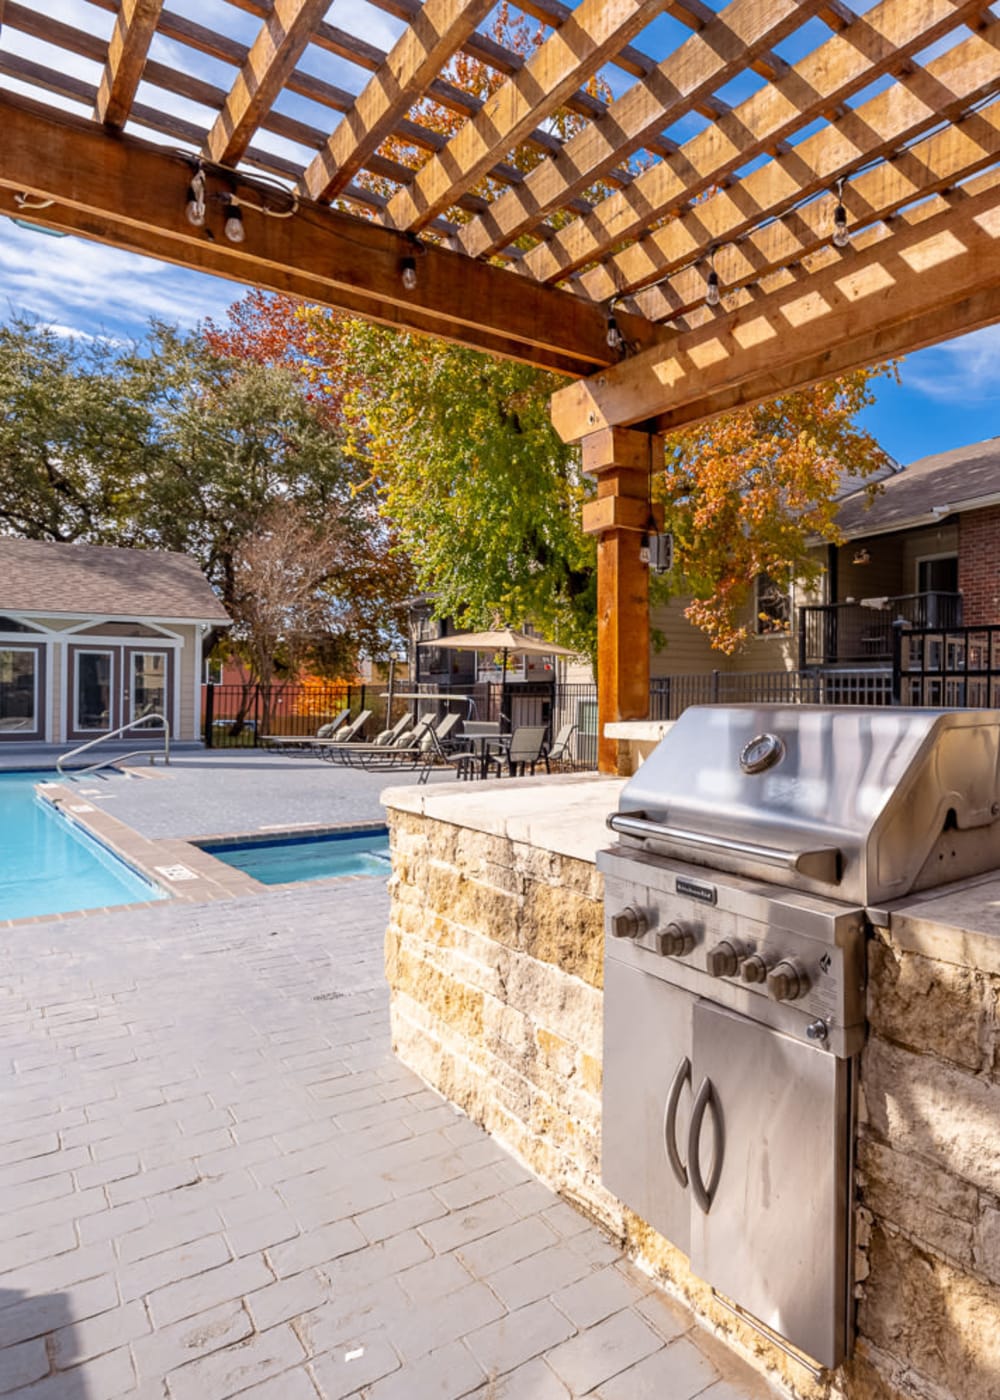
x=94 y=637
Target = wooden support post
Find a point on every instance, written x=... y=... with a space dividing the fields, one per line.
x=621 y=460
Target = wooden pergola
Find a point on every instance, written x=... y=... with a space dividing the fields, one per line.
x=832 y=175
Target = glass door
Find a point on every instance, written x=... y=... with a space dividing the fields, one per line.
x=147 y=686
x=20 y=692
x=93 y=691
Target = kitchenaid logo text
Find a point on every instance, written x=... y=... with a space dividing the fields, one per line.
x=695 y=890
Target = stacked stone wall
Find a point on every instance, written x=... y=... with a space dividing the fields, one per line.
x=494 y=954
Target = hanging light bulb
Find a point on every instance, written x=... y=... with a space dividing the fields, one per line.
x=841 y=233
x=233 y=228
x=712 y=294
x=195 y=209
x=614 y=337
x=408 y=274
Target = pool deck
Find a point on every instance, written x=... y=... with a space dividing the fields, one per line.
x=216 y=1179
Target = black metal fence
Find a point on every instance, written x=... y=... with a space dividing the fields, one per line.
x=957 y=667
x=838 y=633
x=670 y=695
x=248 y=716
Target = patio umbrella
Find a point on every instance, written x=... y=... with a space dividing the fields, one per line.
x=507 y=640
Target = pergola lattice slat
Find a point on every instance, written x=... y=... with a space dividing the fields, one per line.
x=704 y=62
x=419 y=55
x=272 y=58
x=130 y=41
x=936 y=259
x=568 y=57
x=845 y=64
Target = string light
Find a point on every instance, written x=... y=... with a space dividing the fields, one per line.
x=614 y=337
x=195 y=209
x=841 y=233
x=712 y=294
x=233 y=228
x=408 y=273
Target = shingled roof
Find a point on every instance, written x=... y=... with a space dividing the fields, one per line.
x=928 y=490
x=42 y=576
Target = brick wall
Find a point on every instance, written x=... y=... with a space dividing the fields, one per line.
x=494 y=959
x=979 y=566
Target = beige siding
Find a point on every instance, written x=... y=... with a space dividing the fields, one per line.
x=921 y=543
x=687 y=650
x=190 y=663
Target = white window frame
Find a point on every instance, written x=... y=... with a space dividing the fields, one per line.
x=758 y=628
x=38 y=654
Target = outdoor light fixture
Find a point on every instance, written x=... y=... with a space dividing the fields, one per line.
x=841 y=233
x=195 y=209
x=614 y=337
x=234 y=229
x=408 y=274
x=861 y=556
x=712 y=295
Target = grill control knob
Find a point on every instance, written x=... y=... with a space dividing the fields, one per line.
x=787 y=981
x=675 y=941
x=754 y=968
x=629 y=923
x=723 y=960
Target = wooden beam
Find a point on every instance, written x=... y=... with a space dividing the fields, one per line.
x=270 y=62
x=420 y=53
x=948 y=86
x=703 y=63
x=568 y=57
x=846 y=63
x=622 y=462
x=127 y=50
x=128 y=183
x=928 y=265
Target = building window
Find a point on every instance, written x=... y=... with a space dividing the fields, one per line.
x=213 y=672
x=18 y=690
x=772 y=604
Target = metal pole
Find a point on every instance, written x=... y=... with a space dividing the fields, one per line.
x=209 y=715
x=388 y=698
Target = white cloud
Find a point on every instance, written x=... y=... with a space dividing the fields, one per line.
x=86 y=288
x=966 y=370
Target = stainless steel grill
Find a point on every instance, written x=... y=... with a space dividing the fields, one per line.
x=756 y=845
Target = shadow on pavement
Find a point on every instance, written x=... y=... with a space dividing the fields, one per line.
x=37 y=1342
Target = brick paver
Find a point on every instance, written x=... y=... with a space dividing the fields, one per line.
x=216 y=1180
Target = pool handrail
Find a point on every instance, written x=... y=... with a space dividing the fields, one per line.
x=118 y=757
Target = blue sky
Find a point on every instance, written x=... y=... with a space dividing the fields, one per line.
x=949 y=395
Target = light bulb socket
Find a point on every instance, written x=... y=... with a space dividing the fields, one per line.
x=233 y=228
x=614 y=336
x=408 y=274
x=712 y=294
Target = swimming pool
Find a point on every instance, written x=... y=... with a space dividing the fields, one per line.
x=277 y=860
x=48 y=865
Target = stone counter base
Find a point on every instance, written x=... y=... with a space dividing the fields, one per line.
x=494 y=958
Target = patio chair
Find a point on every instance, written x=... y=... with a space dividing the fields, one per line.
x=561 y=751
x=526 y=748
x=464 y=763
x=445 y=732
x=348 y=732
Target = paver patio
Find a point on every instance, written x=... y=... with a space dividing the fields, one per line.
x=216 y=1179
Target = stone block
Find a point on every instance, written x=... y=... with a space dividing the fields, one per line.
x=932 y=1007
x=924 y=1106
x=936 y=1323
x=564 y=929
x=925 y=1200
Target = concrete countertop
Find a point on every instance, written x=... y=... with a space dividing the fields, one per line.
x=638 y=730
x=957 y=923
x=565 y=813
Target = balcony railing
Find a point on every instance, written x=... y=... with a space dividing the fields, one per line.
x=861 y=633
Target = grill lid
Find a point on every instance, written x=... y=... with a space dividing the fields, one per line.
x=859 y=804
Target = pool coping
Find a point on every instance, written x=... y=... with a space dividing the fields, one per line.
x=204 y=879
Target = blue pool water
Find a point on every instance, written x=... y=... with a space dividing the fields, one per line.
x=275 y=861
x=48 y=865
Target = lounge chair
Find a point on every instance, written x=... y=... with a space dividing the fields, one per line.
x=397 y=732
x=526 y=748
x=561 y=751
x=325 y=748
x=306 y=741
x=445 y=732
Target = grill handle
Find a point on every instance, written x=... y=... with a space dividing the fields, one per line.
x=704 y=1192
x=820 y=863
x=682 y=1077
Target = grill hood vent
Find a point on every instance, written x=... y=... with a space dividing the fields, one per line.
x=861 y=805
